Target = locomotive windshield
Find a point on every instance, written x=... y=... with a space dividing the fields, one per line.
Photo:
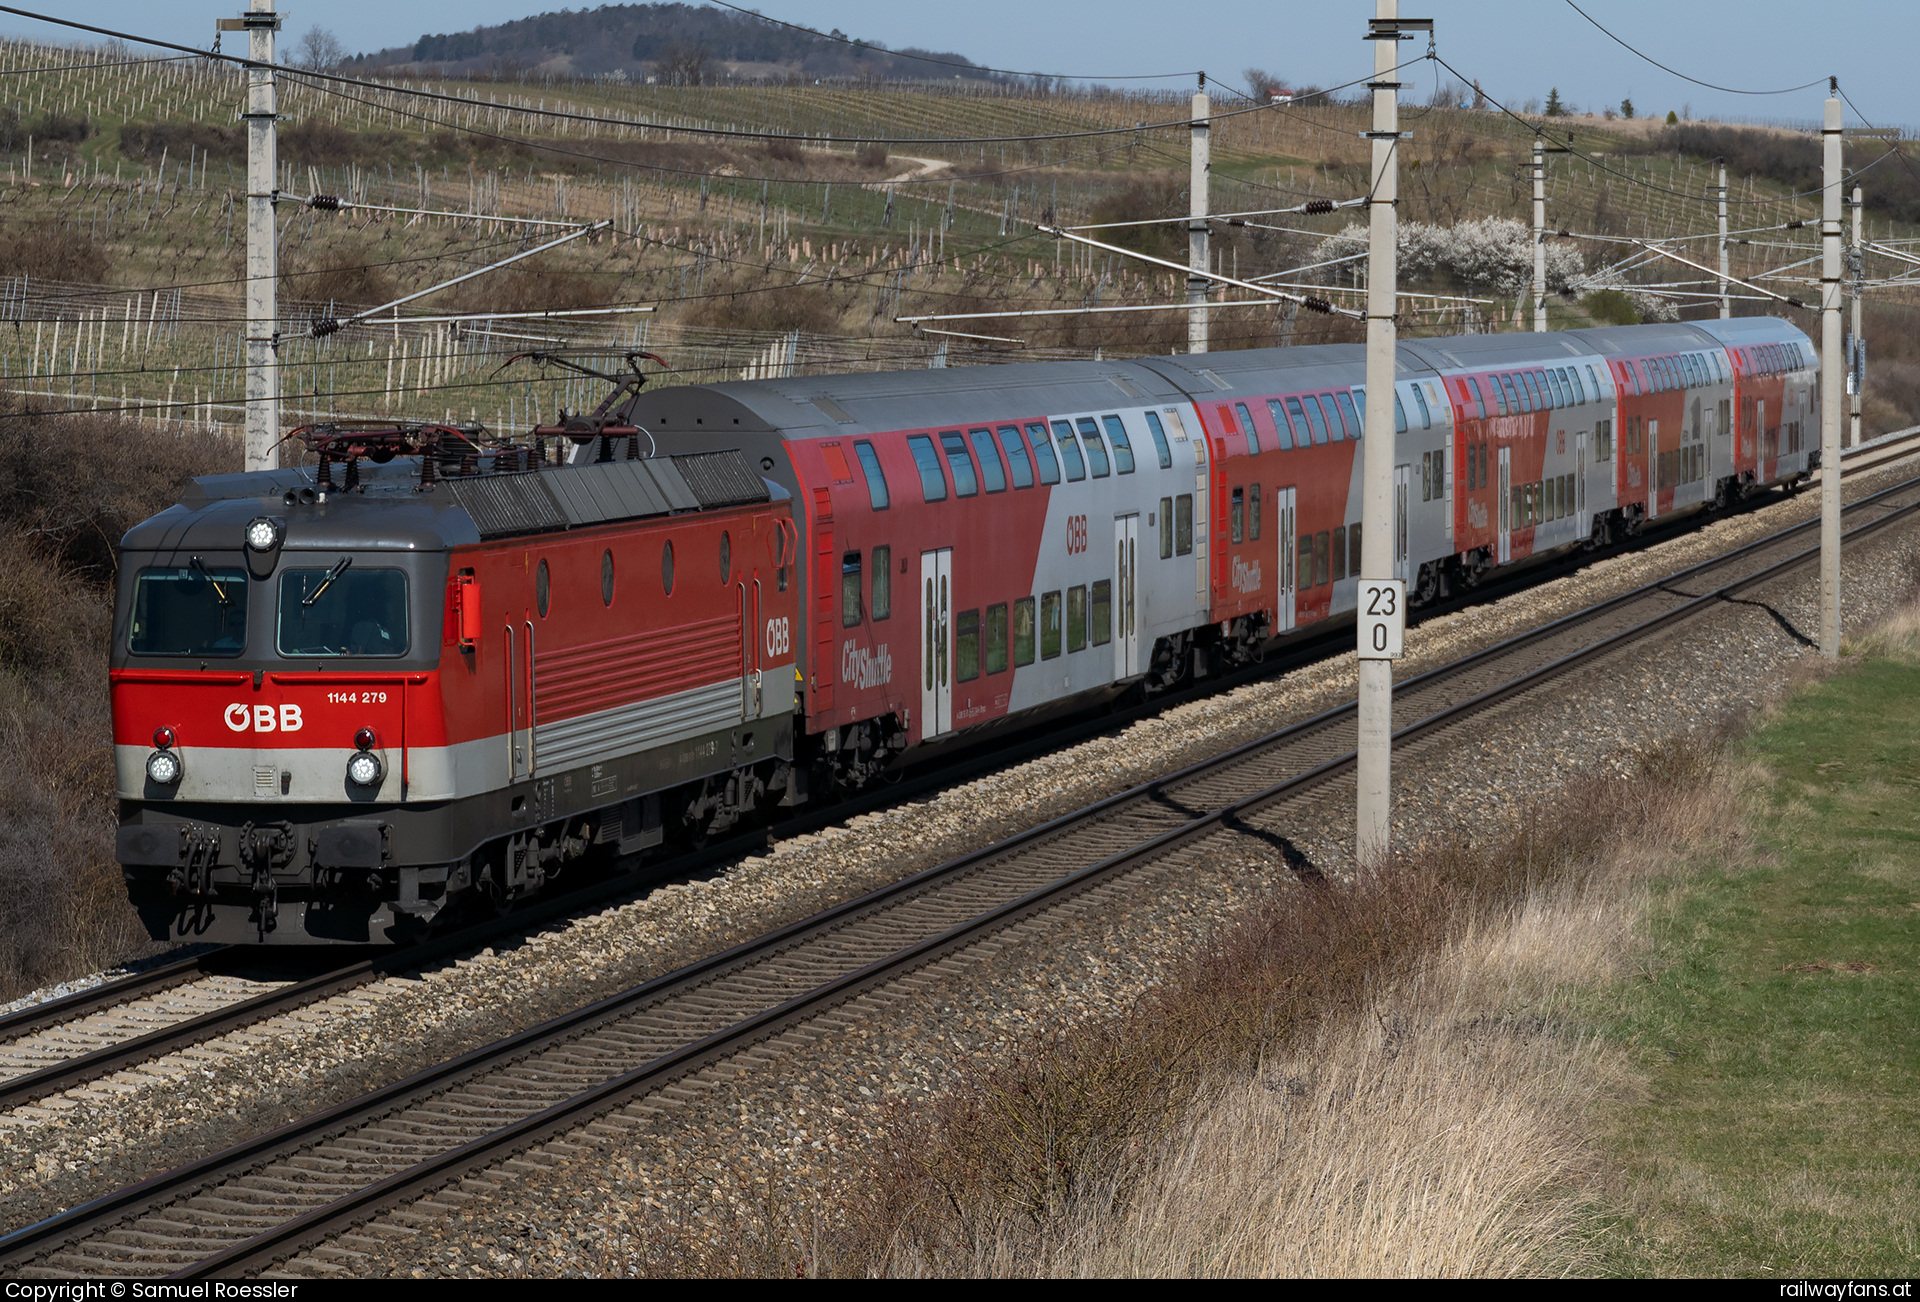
x=189 y=610
x=343 y=611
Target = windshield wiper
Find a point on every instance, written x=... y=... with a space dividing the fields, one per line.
x=339 y=568
x=219 y=588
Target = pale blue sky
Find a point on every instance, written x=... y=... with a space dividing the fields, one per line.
x=1517 y=49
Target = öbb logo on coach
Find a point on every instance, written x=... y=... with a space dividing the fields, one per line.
x=263 y=718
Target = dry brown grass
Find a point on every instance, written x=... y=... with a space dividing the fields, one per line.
x=69 y=488
x=1362 y=1079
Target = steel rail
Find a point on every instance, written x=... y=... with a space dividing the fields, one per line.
x=111 y=1209
x=93 y=1064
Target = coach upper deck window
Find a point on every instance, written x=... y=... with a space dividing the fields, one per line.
x=1122 y=445
x=991 y=473
x=189 y=610
x=1096 y=450
x=1344 y=401
x=1281 y=429
x=1070 y=451
x=1315 y=418
x=933 y=483
x=1246 y=424
x=1159 y=439
x=1478 y=399
x=960 y=462
x=1399 y=414
x=1043 y=458
x=343 y=611
x=1420 y=401
x=876 y=478
x=1017 y=464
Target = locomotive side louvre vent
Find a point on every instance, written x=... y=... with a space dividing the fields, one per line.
x=721 y=478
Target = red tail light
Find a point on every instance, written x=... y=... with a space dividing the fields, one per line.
x=163 y=738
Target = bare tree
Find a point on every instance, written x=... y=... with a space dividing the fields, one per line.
x=683 y=65
x=319 y=50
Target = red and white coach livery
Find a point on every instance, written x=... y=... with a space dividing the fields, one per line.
x=341 y=707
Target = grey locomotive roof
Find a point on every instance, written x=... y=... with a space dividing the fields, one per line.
x=392 y=515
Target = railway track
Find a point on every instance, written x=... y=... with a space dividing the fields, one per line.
x=64 y=1043
x=242 y=1210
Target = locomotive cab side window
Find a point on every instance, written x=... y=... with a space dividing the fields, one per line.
x=343 y=611
x=882 y=604
x=1070 y=451
x=189 y=610
x=1043 y=454
x=877 y=493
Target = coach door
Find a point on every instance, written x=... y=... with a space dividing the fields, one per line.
x=936 y=642
x=1653 y=468
x=1506 y=505
x=1126 y=600
x=1584 y=525
x=1285 y=588
x=1402 y=508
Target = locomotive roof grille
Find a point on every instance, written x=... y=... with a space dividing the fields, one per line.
x=569 y=497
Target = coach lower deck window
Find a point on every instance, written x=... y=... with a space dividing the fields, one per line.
x=1337 y=558
x=1070 y=451
x=1049 y=625
x=1303 y=577
x=194 y=609
x=882 y=583
x=966 y=646
x=960 y=462
x=1183 y=525
x=994 y=652
x=991 y=474
x=1321 y=554
x=933 y=483
x=343 y=612
x=850 y=590
x=1077 y=617
x=1253 y=513
x=1122 y=445
x=1096 y=450
x=1166 y=528
x=1238 y=515
x=1023 y=631
x=876 y=478
x=1102 y=613
x=1017 y=464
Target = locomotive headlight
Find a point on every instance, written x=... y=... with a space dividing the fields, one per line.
x=264 y=534
x=163 y=767
x=365 y=770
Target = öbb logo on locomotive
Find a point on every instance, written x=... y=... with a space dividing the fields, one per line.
x=433 y=696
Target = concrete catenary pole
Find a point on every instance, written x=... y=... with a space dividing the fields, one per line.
x=1200 y=169
x=263 y=261
x=1374 y=753
x=1830 y=381
x=1539 y=233
x=1857 y=355
x=1727 y=302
